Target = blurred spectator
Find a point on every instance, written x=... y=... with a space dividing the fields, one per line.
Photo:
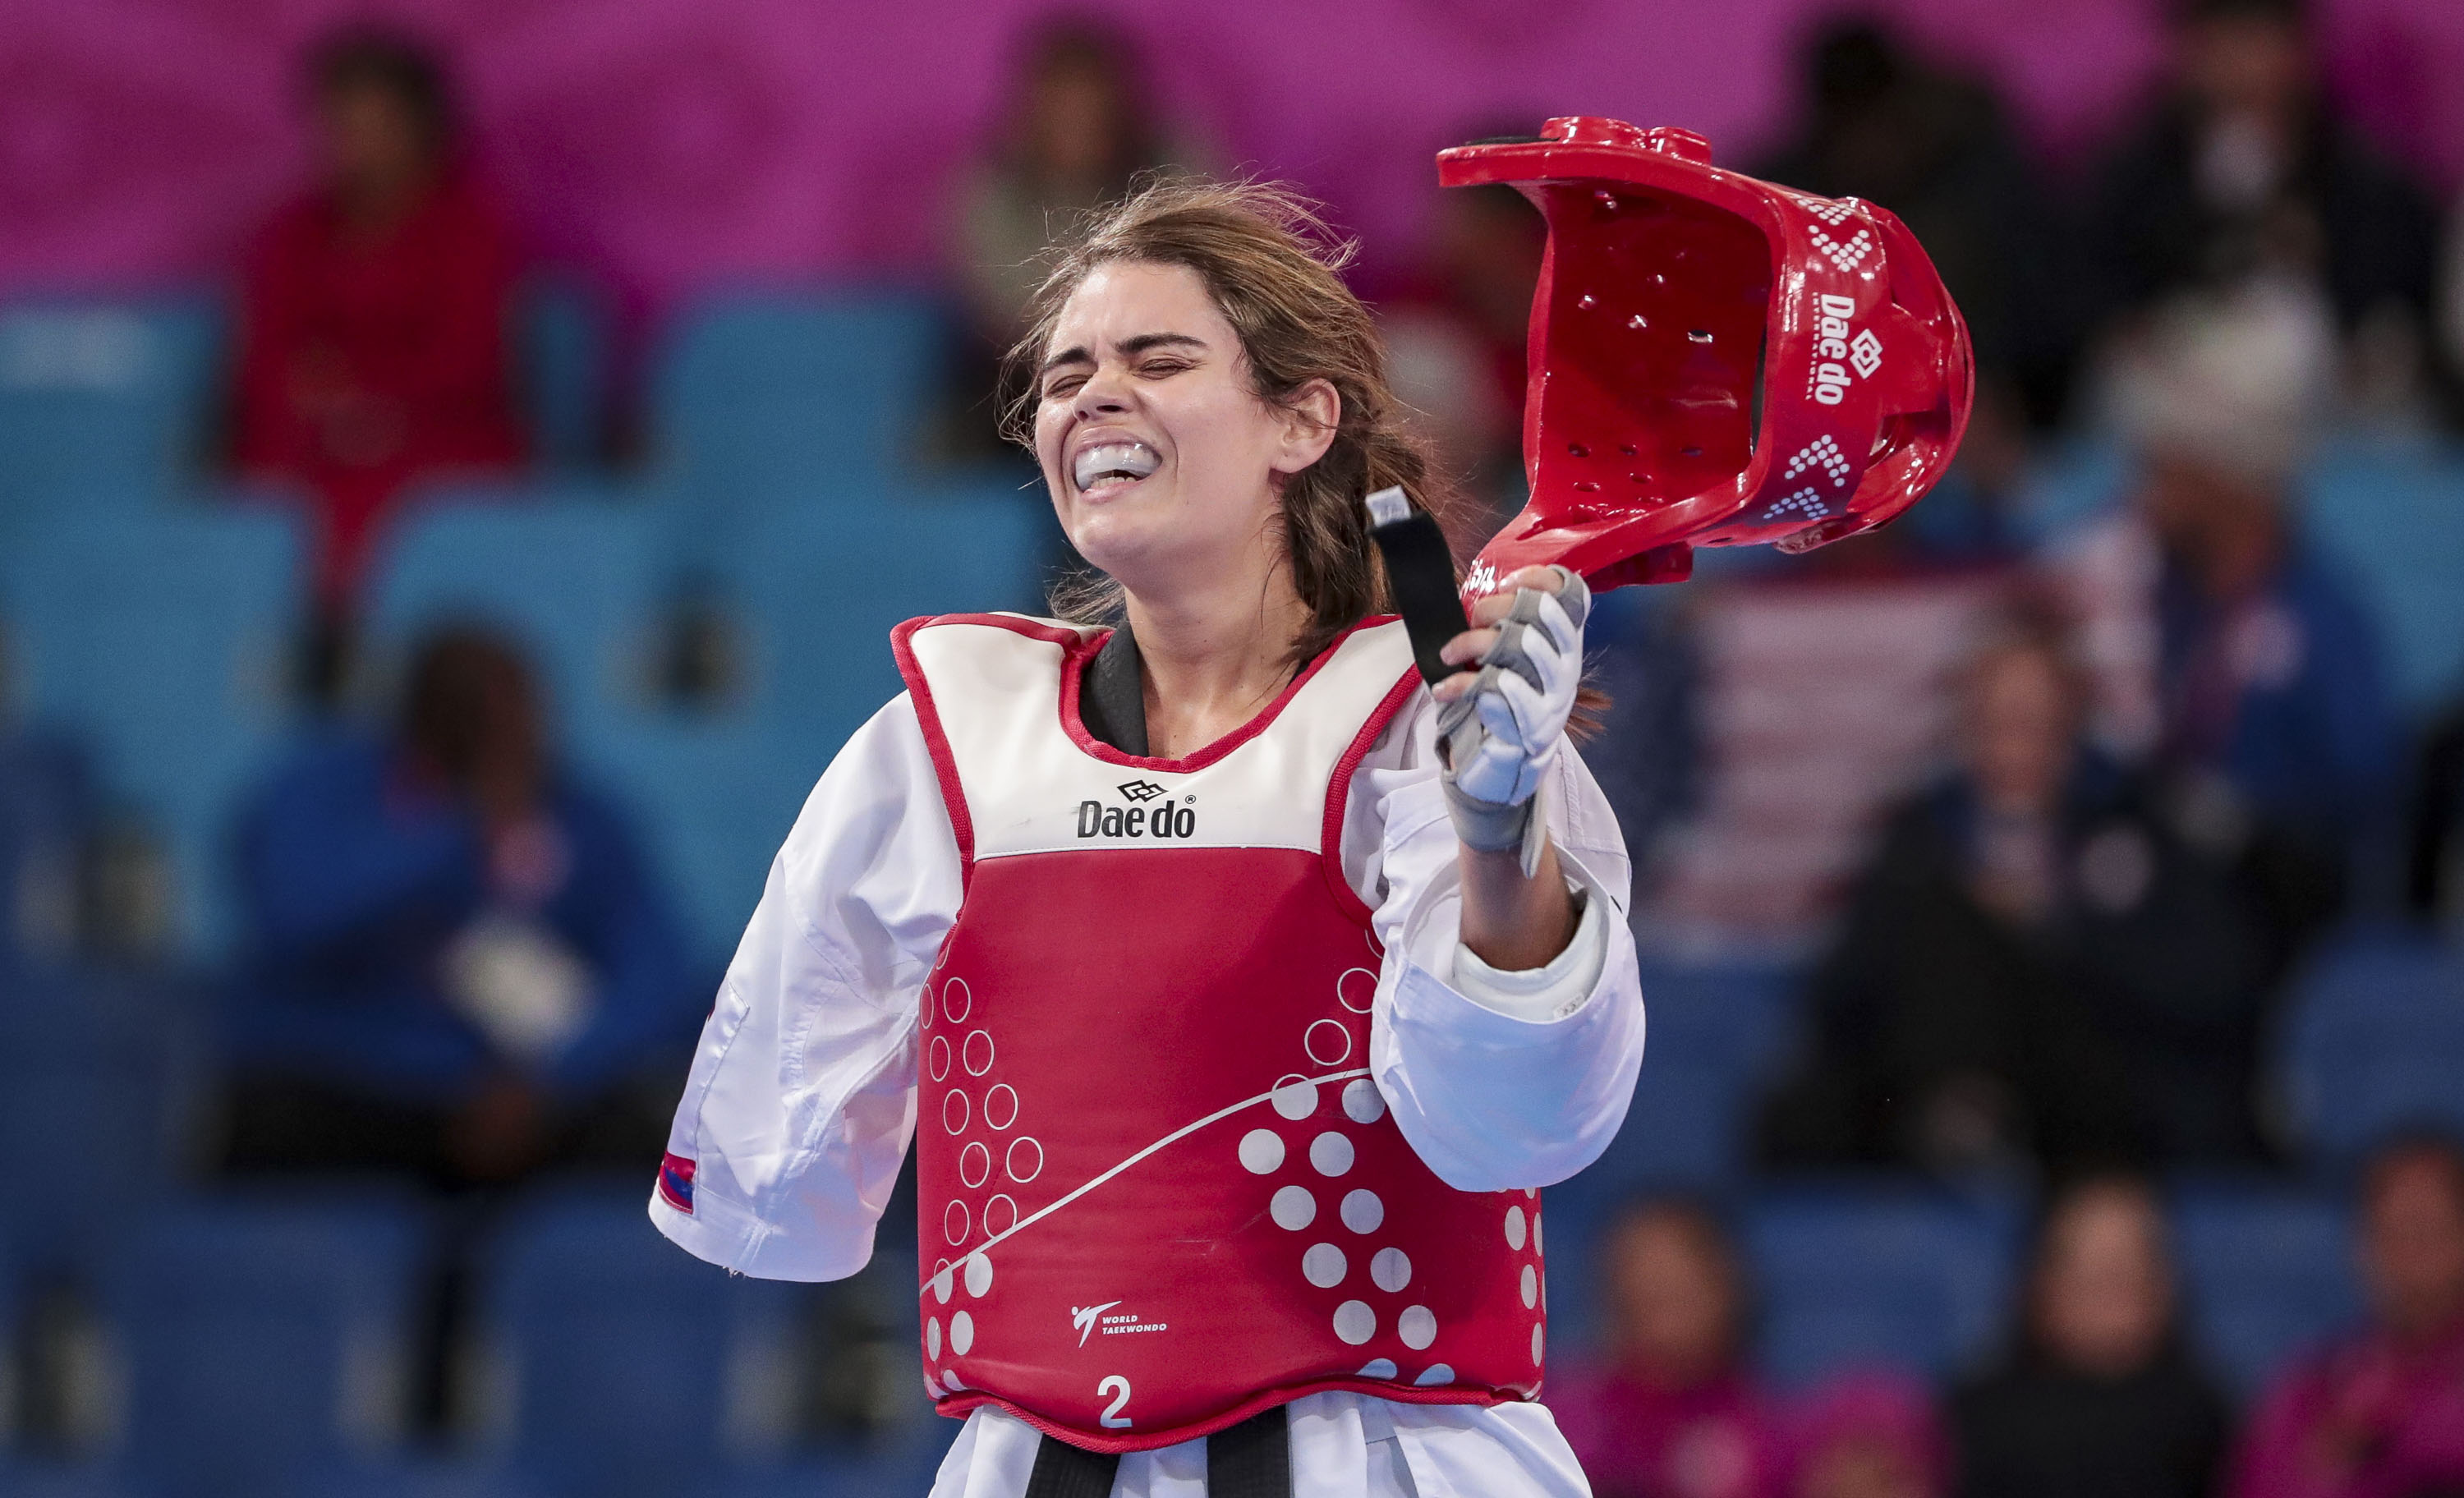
x=1456 y=333
x=1079 y=126
x=2242 y=173
x=1672 y=1414
x=460 y=966
x=2434 y=883
x=2100 y=1398
x=1938 y=150
x=2033 y=963
x=2381 y=1414
x=374 y=347
x=46 y=801
x=2234 y=655
x=1869 y=1436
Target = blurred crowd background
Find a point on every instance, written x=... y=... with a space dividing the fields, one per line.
x=459 y=467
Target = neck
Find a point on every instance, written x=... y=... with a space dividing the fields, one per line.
x=379 y=204
x=1213 y=655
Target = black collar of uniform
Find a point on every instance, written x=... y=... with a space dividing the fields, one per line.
x=1112 y=695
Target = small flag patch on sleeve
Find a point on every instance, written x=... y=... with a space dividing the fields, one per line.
x=675 y=1183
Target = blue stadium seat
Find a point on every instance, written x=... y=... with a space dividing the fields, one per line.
x=263 y=1336
x=764 y=393
x=2394 y=518
x=1716 y=1033
x=903 y=1465
x=101 y=402
x=85 y=1077
x=569 y=574
x=1879 y=1277
x=822 y=592
x=2267 y=1274
x=70 y=1480
x=415 y=1478
x=162 y=640
x=714 y=802
x=816 y=595
x=564 y=358
x=617 y=1351
x=2375 y=1042
x=45 y=814
x=1682 y=1131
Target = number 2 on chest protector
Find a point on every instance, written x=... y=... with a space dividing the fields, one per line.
x=1113 y=1419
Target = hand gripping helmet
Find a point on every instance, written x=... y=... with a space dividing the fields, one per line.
x=1714 y=361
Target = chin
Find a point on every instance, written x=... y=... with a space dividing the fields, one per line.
x=1114 y=525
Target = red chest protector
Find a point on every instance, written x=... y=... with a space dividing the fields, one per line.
x=1159 y=1192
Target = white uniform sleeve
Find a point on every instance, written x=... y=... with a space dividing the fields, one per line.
x=802 y=1094
x=1499 y=1080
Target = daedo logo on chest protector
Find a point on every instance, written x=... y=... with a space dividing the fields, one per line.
x=1164 y=824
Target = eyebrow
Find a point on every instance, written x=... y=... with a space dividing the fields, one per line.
x=1131 y=346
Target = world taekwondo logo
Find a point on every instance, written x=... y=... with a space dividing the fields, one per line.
x=1082 y=1317
x=1085 y=1320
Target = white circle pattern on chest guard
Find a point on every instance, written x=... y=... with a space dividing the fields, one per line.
x=1362 y=1102
x=1328 y=1043
x=979 y=1275
x=1025 y=1160
x=1293 y=1208
x=1322 y=1265
x=974 y=1165
x=954 y=1113
x=1416 y=1326
x=1354 y=1321
x=1295 y=1099
x=1514 y=1227
x=957 y=1002
x=1000 y=1106
x=1356 y=989
x=976 y=1059
x=1362 y=1212
x=1390 y=1270
x=1330 y=1154
x=1262 y=1151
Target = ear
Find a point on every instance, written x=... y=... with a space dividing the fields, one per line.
x=1308 y=421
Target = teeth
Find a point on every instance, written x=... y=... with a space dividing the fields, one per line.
x=1132 y=460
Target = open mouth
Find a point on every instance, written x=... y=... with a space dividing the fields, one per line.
x=1109 y=466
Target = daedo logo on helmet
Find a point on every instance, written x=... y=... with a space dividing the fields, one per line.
x=1163 y=824
x=1838 y=350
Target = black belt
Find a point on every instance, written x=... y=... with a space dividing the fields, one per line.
x=1250 y=1460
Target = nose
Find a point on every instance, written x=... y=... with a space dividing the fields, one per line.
x=1105 y=393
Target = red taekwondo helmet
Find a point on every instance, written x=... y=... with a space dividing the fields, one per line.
x=1714 y=361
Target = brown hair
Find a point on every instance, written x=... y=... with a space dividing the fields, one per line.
x=1271 y=265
